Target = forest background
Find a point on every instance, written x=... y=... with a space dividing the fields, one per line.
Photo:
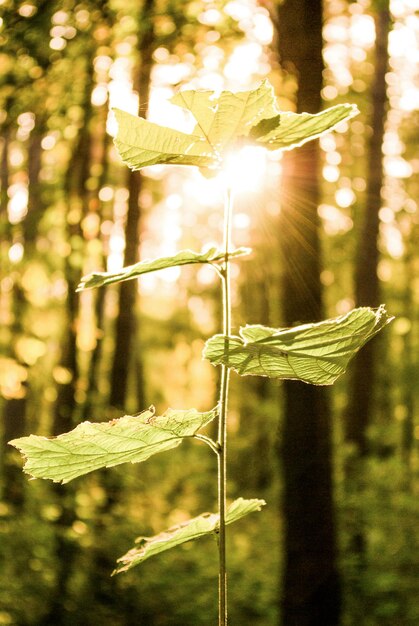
x=332 y=225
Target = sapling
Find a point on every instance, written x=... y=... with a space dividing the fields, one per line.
x=314 y=353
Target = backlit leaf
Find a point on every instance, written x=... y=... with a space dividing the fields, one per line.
x=204 y=524
x=230 y=116
x=91 y=446
x=141 y=143
x=295 y=129
x=185 y=257
x=223 y=123
x=313 y=353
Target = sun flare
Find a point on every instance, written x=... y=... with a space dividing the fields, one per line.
x=244 y=170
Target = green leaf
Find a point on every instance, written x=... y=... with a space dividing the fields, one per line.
x=204 y=524
x=295 y=129
x=222 y=123
x=185 y=257
x=264 y=127
x=232 y=115
x=313 y=353
x=91 y=446
x=141 y=143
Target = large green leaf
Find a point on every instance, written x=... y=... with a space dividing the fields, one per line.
x=204 y=524
x=295 y=129
x=91 y=446
x=232 y=115
x=222 y=123
x=141 y=143
x=314 y=353
x=185 y=257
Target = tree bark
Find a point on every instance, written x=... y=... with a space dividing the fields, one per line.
x=14 y=420
x=360 y=406
x=311 y=583
x=35 y=205
x=4 y=171
x=15 y=409
x=126 y=324
x=76 y=193
x=94 y=400
x=359 y=409
x=66 y=547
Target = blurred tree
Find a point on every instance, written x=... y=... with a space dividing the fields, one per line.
x=311 y=587
x=4 y=171
x=76 y=194
x=126 y=324
x=77 y=191
x=359 y=409
x=95 y=400
x=410 y=361
x=362 y=382
x=28 y=45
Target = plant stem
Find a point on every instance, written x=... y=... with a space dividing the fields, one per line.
x=222 y=424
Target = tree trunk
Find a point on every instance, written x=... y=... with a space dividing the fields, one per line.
x=4 y=172
x=76 y=193
x=15 y=409
x=35 y=205
x=126 y=323
x=359 y=409
x=14 y=421
x=93 y=396
x=311 y=584
x=66 y=547
x=358 y=413
x=410 y=367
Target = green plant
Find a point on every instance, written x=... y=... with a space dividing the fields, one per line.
x=314 y=353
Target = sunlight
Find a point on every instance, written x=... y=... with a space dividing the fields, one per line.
x=362 y=30
x=17 y=206
x=243 y=61
x=245 y=169
x=16 y=253
x=392 y=240
x=115 y=258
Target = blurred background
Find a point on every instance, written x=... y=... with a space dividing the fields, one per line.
x=332 y=225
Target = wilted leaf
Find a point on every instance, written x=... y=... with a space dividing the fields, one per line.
x=204 y=524
x=91 y=446
x=222 y=123
x=314 y=353
x=185 y=257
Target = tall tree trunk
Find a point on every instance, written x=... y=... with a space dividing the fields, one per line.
x=92 y=397
x=76 y=192
x=14 y=418
x=15 y=409
x=358 y=413
x=410 y=367
x=78 y=172
x=125 y=354
x=4 y=171
x=359 y=409
x=311 y=584
x=35 y=204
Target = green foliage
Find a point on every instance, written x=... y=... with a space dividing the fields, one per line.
x=222 y=124
x=204 y=524
x=313 y=353
x=130 y=439
x=185 y=257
